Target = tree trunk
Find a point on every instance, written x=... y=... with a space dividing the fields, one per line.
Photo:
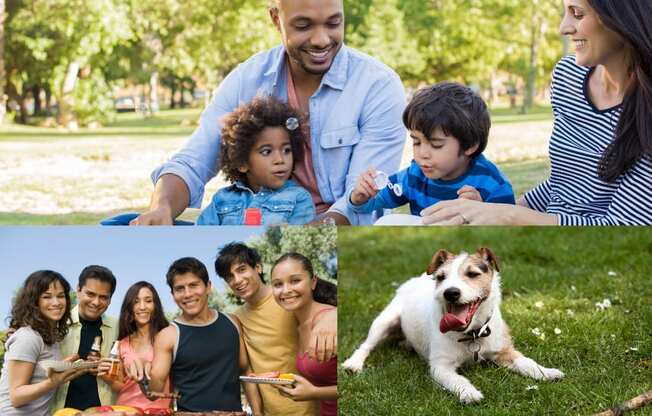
x=182 y=101
x=3 y=75
x=36 y=95
x=173 y=92
x=66 y=100
x=535 y=42
x=153 y=93
x=48 y=100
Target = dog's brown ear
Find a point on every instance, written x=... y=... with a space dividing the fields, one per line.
x=438 y=259
x=488 y=256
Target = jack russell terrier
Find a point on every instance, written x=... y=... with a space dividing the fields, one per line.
x=461 y=295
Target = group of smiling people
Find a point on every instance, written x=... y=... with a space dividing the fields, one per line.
x=345 y=121
x=287 y=326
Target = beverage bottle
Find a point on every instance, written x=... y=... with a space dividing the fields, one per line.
x=114 y=372
x=95 y=354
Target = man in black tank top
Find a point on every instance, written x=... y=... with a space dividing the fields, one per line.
x=201 y=350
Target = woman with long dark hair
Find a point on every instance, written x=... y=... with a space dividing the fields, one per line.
x=601 y=144
x=141 y=318
x=40 y=317
x=296 y=289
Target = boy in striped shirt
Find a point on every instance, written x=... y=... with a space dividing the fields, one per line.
x=449 y=126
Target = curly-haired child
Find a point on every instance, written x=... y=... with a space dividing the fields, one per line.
x=261 y=141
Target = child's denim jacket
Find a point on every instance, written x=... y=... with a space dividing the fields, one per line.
x=290 y=204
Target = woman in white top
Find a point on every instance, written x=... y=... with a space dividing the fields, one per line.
x=40 y=317
x=601 y=145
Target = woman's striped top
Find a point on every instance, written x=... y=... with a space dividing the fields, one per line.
x=580 y=135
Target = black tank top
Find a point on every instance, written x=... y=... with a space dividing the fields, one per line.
x=205 y=370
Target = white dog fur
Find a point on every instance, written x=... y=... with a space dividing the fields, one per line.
x=418 y=307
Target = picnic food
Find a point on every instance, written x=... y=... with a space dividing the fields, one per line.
x=213 y=413
x=61 y=366
x=269 y=378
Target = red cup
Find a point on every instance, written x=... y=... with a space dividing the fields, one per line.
x=253 y=216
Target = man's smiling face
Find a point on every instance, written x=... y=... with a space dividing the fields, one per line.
x=312 y=32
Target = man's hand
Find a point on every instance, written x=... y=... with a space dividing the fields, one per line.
x=158 y=216
x=171 y=196
x=469 y=192
x=365 y=187
x=137 y=369
x=323 y=338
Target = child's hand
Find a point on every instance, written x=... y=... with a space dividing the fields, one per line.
x=365 y=187
x=469 y=192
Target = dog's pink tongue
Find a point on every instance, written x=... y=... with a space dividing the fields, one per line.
x=454 y=319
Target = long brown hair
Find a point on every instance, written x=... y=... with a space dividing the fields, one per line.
x=127 y=324
x=25 y=310
x=633 y=136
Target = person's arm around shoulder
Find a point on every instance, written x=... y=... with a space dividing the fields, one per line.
x=323 y=337
x=251 y=390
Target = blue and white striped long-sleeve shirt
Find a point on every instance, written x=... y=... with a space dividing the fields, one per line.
x=580 y=135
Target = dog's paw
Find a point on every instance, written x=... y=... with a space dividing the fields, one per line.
x=353 y=364
x=469 y=395
x=551 y=374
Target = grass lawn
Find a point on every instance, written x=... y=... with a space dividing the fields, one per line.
x=605 y=354
x=53 y=176
x=165 y=123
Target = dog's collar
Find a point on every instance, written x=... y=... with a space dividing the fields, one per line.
x=472 y=335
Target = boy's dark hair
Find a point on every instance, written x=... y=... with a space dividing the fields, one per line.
x=456 y=109
x=236 y=253
x=186 y=265
x=242 y=127
x=100 y=273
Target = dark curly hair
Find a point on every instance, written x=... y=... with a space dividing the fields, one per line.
x=242 y=127
x=127 y=324
x=324 y=291
x=25 y=310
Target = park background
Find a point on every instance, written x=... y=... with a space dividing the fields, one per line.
x=66 y=66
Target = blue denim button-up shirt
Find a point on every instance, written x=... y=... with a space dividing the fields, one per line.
x=289 y=204
x=355 y=123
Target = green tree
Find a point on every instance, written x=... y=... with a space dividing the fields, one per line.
x=317 y=243
x=2 y=62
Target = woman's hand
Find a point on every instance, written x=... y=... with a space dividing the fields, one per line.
x=464 y=211
x=302 y=390
x=59 y=378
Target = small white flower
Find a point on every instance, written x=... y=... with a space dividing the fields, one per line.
x=613 y=336
x=395 y=284
x=570 y=312
x=557 y=331
x=605 y=304
x=516 y=294
x=534 y=387
x=573 y=288
x=538 y=305
x=612 y=273
x=539 y=334
x=633 y=348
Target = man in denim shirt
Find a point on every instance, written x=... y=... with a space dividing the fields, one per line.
x=353 y=102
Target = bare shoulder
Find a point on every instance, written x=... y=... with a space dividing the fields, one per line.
x=167 y=337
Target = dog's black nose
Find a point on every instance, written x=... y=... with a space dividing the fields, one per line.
x=452 y=294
